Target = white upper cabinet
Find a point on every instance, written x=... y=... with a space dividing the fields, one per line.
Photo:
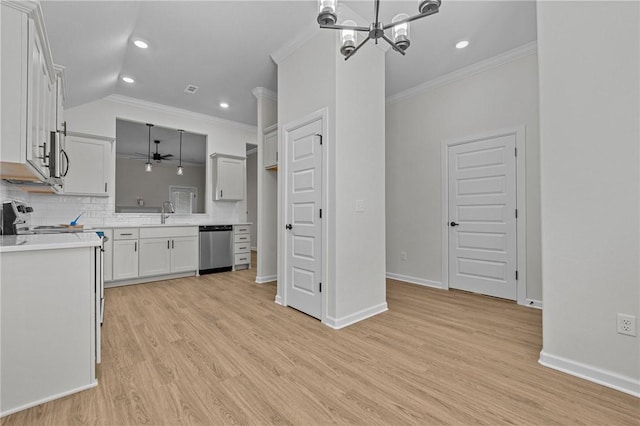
x=29 y=94
x=89 y=165
x=270 y=156
x=228 y=173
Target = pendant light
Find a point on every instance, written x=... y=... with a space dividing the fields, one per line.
x=180 y=169
x=147 y=165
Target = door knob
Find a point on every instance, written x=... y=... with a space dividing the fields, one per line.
x=288 y=226
x=454 y=224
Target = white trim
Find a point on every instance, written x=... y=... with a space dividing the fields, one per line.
x=142 y=280
x=533 y=303
x=263 y=92
x=493 y=62
x=278 y=300
x=606 y=378
x=338 y=323
x=323 y=115
x=253 y=248
x=126 y=100
x=266 y=279
x=49 y=398
x=415 y=280
x=295 y=43
x=521 y=197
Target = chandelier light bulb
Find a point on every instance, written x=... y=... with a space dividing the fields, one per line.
x=348 y=38
x=327 y=12
x=148 y=167
x=180 y=171
x=401 y=31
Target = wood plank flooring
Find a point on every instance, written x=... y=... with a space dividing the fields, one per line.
x=216 y=349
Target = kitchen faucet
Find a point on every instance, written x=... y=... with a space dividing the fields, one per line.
x=163 y=215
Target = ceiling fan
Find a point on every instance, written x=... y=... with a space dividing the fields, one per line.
x=156 y=156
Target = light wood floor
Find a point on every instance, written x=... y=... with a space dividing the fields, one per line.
x=218 y=350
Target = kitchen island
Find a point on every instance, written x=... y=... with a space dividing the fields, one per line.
x=49 y=318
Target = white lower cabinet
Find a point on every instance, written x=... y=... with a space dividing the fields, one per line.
x=125 y=259
x=155 y=256
x=184 y=254
x=139 y=254
x=241 y=246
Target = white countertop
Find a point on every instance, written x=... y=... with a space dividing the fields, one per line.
x=166 y=225
x=13 y=243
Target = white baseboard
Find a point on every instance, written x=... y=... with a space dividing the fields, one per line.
x=593 y=374
x=278 y=300
x=414 y=280
x=266 y=279
x=254 y=249
x=49 y=398
x=532 y=303
x=338 y=323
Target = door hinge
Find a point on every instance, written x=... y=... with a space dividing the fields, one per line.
x=320 y=136
x=320 y=213
x=516 y=213
x=516 y=151
x=516 y=275
x=320 y=287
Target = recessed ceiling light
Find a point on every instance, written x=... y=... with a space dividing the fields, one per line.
x=462 y=44
x=224 y=105
x=128 y=80
x=141 y=43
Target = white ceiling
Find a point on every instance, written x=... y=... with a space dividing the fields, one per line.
x=224 y=46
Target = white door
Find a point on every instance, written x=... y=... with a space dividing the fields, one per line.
x=304 y=226
x=482 y=216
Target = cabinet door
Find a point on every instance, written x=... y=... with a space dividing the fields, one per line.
x=230 y=178
x=184 y=254
x=155 y=256
x=270 y=158
x=88 y=166
x=108 y=256
x=125 y=259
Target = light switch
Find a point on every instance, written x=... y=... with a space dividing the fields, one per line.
x=360 y=206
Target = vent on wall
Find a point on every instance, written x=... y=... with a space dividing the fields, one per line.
x=191 y=88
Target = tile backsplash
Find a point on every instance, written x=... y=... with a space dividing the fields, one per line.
x=50 y=209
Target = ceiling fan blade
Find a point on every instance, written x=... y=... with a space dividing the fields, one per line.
x=166 y=156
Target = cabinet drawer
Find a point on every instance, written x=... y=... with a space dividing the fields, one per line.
x=169 y=232
x=125 y=234
x=242 y=259
x=241 y=248
x=242 y=229
x=241 y=238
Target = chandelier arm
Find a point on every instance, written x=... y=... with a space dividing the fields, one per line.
x=362 y=43
x=376 y=6
x=411 y=18
x=395 y=46
x=345 y=27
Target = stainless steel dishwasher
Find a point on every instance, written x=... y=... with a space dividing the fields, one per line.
x=216 y=254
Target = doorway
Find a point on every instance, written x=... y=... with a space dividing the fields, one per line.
x=483 y=214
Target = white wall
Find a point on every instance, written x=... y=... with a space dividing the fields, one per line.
x=313 y=77
x=590 y=167
x=99 y=118
x=501 y=97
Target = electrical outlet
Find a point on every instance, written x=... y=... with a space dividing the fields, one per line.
x=403 y=255
x=626 y=324
x=360 y=206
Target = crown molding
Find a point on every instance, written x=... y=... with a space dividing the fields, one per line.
x=135 y=102
x=263 y=92
x=485 y=65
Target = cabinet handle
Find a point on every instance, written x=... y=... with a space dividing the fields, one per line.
x=167 y=244
x=44 y=156
x=173 y=244
x=135 y=246
x=105 y=187
x=63 y=152
x=127 y=234
x=221 y=193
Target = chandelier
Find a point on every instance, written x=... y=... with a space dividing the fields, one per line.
x=327 y=18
